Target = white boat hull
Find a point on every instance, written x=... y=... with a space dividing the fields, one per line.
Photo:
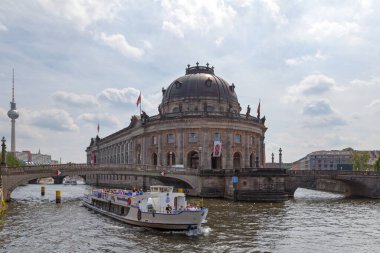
x=183 y=220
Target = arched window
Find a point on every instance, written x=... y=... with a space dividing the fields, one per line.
x=237 y=138
x=154 y=159
x=236 y=162
x=216 y=162
x=252 y=160
x=193 y=160
x=170 y=159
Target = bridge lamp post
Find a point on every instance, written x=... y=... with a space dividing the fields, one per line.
x=3 y=147
x=170 y=158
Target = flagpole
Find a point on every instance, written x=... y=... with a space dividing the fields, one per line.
x=140 y=102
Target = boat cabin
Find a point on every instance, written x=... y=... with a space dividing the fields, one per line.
x=161 y=188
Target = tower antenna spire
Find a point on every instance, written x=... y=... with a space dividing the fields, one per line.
x=13 y=115
x=13 y=85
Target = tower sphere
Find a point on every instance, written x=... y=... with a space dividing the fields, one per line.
x=13 y=114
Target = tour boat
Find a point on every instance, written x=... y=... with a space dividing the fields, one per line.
x=159 y=208
x=70 y=181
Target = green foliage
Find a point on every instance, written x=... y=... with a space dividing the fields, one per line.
x=377 y=164
x=348 y=149
x=361 y=159
x=11 y=160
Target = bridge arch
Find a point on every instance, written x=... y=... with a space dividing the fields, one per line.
x=14 y=177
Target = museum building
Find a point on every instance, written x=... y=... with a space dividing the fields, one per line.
x=199 y=125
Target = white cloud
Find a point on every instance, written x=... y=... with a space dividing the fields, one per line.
x=120 y=44
x=315 y=84
x=52 y=119
x=195 y=15
x=147 y=44
x=305 y=58
x=274 y=10
x=3 y=113
x=74 y=99
x=374 y=104
x=219 y=41
x=82 y=12
x=175 y=29
x=364 y=83
x=3 y=28
x=319 y=107
x=103 y=119
x=324 y=121
x=333 y=29
x=125 y=95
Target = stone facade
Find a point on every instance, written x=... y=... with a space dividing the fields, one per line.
x=196 y=111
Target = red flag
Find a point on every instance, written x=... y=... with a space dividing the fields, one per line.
x=57 y=172
x=138 y=100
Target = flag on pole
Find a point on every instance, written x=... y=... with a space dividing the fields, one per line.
x=57 y=172
x=138 y=100
x=98 y=128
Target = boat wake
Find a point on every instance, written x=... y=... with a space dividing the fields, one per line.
x=192 y=232
x=198 y=231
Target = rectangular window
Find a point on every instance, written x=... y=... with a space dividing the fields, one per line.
x=154 y=140
x=171 y=138
x=217 y=137
x=237 y=138
x=193 y=137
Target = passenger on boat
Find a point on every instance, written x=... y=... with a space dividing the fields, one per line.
x=168 y=209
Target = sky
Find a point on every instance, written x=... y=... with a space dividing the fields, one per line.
x=314 y=65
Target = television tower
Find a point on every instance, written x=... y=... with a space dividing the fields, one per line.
x=13 y=115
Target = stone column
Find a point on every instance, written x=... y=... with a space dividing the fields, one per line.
x=246 y=149
x=159 y=149
x=143 y=152
x=179 y=149
x=230 y=143
x=206 y=153
x=132 y=147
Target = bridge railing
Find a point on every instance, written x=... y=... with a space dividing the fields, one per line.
x=37 y=169
x=332 y=172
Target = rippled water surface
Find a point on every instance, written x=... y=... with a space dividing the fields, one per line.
x=311 y=222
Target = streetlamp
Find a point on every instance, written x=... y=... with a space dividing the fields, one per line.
x=3 y=147
x=170 y=158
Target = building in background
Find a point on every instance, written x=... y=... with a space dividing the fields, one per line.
x=325 y=160
x=33 y=159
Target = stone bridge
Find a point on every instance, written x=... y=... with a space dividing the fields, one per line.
x=254 y=184
x=12 y=177
x=349 y=183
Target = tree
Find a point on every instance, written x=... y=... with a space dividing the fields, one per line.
x=377 y=164
x=11 y=160
x=361 y=159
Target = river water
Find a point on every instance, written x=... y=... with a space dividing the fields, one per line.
x=311 y=222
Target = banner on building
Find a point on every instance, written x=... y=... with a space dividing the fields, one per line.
x=217 y=149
